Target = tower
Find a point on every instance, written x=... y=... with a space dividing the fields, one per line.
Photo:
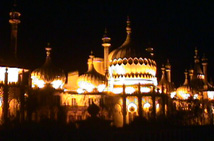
x=106 y=44
x=14 y=21
x=168 y=71
x=204 y=64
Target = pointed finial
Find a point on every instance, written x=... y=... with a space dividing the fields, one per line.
x=48 y=49
x=128 y=27
x=204 y=58
x=186 y=77
x=163 y=67
x=106 y=40
x=196 y=57
x=14 y=15
x=185 y=72
x=196 y=51
x=91 y=55
x=14 y=3
x=105 y=32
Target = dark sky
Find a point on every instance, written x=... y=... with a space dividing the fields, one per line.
x=74 y=28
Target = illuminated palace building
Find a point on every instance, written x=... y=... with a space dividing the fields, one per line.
x=123 y=86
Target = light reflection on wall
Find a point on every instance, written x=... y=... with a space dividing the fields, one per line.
x=89 y=87
x=210 y=95
x=13 y=74
x=57 y=84
x=36 y=82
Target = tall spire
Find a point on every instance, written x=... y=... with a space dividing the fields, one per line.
x=128 y=26
x=48 y=52
x=91 y=62
x=106 y=44
x=196 y=57
x=168 y=71
x=14 y=21
x=128 y=31
x=186 y=78
x=204 y=64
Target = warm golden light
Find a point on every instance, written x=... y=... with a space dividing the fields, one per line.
x=184 y=95
x=13 y=75
x=172 y=94
x=37 y=82
x=195 y=96
x=117 y=90
x=57 y=84
x=86 y=86
x=129 y=90
x=145 y=89
x=1 y=100
x=101 y=88
x=2 y=73
x=157 y=107
x=132 y=107
x=146 y=106
x=80 y=91
x=210 y=95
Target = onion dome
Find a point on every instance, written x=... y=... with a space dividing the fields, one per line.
x=163 y=80
x=92 y=79
x=184 y=91
x=127 y=49
x=164 y=85
x=128 y=63
x=48 y=74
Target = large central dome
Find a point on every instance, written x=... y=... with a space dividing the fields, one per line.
x=129 y=66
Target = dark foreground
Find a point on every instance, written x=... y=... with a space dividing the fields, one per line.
x=54 y=131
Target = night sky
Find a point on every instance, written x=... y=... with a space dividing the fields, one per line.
x=74 y=28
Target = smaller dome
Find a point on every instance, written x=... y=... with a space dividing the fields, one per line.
x=92 y=79
x=48 y=74
x=184 y=91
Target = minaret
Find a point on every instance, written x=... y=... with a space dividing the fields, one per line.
x=91 y=61
x=106 y=45
x=196 y=57
x=128 y=31
x=168 y=71
x=163 y=82
x=186 y=78
x=14 y=21
x=204 y=64
x=48 y=52
x=191 y=73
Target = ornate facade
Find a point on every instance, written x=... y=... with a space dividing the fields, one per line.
x=123 y=84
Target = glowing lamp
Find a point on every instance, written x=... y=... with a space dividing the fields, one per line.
x=172 y=94
x=145 y=89
x=195 y=96
x=157 y=107
x=129 y=90
x=12 y=74
x=132 y=107
x=210 y=95
x=146 y=105
x=117 y=90
x=57 y=84
x=80 y=91
x=101 y=88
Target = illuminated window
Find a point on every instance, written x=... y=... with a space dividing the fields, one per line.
x=90 y=101
x=73 y=102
